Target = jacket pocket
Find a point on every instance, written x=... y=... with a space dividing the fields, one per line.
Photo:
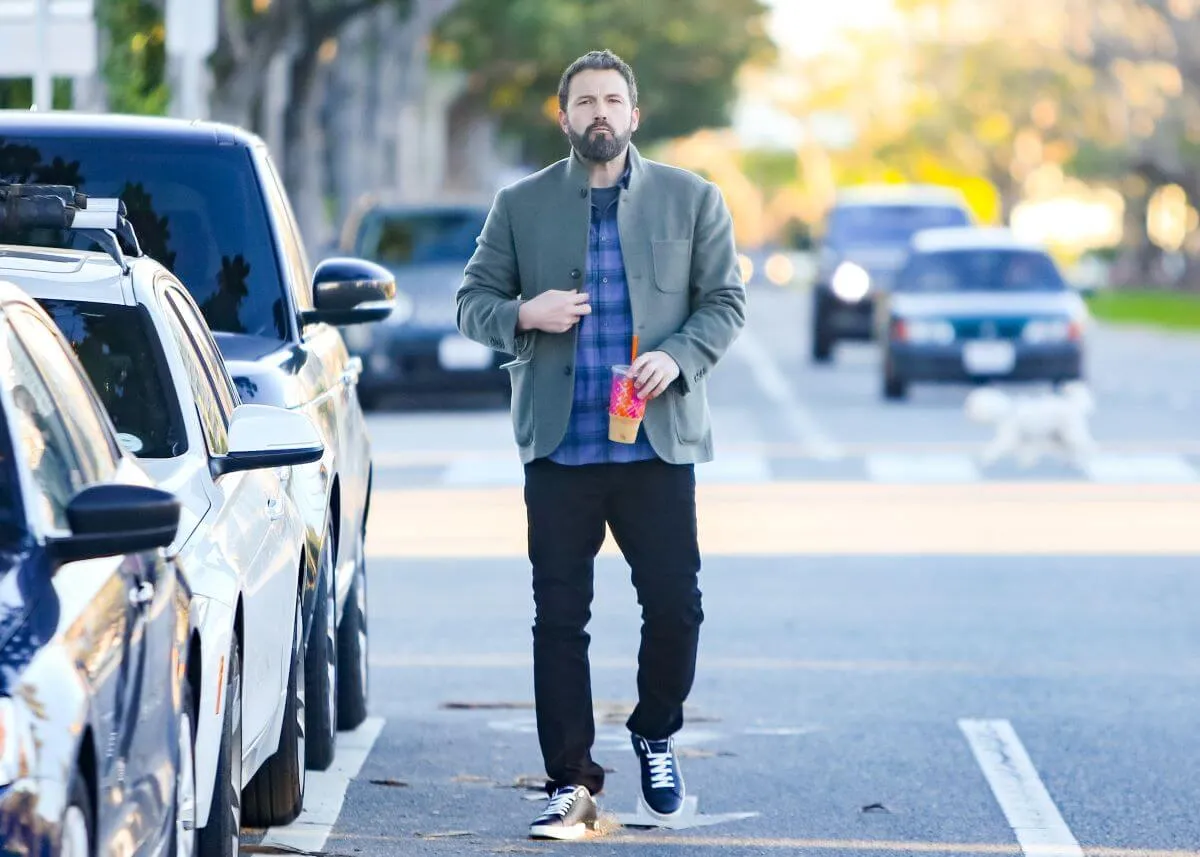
x=672 y=264
x=690 y=415
x=520 y=375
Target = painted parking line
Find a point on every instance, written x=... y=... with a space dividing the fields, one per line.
x=1031 y=812
x=325 y=792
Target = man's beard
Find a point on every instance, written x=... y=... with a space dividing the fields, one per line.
x=599 y=148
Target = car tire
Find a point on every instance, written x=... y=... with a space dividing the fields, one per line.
x=78 y=832
x=276 y=794
x=352 y=678
x=321 y=662
x=895 y=388
x=822 y=341
x=183 y=834
x=221 y=837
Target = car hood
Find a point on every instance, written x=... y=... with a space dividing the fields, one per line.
x=964 y=304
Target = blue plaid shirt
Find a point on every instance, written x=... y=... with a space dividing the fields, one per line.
x=605 y=339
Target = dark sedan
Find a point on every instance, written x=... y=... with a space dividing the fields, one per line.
x=419 y=349
x=96 y=736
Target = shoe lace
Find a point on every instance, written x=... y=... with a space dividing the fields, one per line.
x=662 y=768
x=561 y=802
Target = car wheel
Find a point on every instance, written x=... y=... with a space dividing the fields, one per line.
x=352 y=652
x=822 y=341
x=184 y=833
x=894 y=388
x=320 y=665
x=221 y=837
x=276 y=794
x=78 y=825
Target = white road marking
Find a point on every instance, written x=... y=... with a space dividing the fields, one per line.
x=492 y=470
x=774 y=385
x=738 y=468
x=1140 y=469
x=921 y=468
x=1030 y=811
x=324 y=793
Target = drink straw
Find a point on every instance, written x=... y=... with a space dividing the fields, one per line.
x=633 y=358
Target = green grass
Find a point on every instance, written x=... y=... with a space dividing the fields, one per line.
x=1179 y=311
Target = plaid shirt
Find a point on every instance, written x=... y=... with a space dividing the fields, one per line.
x=605 y=339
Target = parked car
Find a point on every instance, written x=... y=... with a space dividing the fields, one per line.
x=980 y=304
x=152 y=359
x=207 y=202
x=419 y=349
x=97 y=704
x=864 y=242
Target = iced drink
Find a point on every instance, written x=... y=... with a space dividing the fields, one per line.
x=625 y=407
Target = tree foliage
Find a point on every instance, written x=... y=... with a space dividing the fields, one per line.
x=686 y=56
x=135 y=58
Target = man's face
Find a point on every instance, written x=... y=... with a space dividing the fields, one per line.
x=599 y=119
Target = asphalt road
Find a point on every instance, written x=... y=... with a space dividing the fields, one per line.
x=904 y=652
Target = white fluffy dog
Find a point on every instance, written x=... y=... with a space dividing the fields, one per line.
x=1029 y=427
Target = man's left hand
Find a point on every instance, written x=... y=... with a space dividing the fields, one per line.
x=653 y=372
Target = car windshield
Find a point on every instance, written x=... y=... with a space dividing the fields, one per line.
x=124 y=361
x=195 y=209
x=889 y=224
x=981 y=271
x=420 y=237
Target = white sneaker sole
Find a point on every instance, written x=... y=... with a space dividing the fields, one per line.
x=659 y=816
x=558 y=831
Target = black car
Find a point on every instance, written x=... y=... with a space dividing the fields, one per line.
x=864 y=244
x=419 y=349
x=96 y=678
x=206 y=201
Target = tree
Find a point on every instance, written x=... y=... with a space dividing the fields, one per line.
x=686 y=56
x=134 y=66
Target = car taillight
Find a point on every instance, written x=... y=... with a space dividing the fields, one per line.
x=899 y=330
x=1074 y=331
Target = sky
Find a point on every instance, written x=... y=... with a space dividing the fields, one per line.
x=801 y=28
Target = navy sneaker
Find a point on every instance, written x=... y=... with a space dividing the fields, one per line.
x=569 y=814
x=662 y=783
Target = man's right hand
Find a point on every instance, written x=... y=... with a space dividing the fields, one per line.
x=553 y=311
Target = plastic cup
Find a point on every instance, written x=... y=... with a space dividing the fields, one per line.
x=626 y=408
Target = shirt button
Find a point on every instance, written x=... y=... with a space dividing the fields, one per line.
x=604 y=279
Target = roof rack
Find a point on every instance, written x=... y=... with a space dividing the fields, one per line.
x=52 y=206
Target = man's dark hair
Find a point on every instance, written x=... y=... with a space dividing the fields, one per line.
x=597 y=61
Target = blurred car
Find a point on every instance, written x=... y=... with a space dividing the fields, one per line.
x=207 y=201
x=97 y=704
x=418 y=349
x=864 y=243
x=148 y=352
x=980 y=304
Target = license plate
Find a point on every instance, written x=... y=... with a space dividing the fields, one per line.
x=457 y=353
x=989 y=358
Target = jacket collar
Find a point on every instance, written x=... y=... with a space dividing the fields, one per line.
x=577 y=172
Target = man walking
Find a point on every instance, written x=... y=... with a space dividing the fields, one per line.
x=575 y=264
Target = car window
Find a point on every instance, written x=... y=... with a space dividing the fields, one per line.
x=208 y=408
x=300 y=274
x=72 y=390
x=981 y=271
x=42 y=440
x=863 y=224
x=419 y=237
x=203 y=345
x=197 y=209
x=125 y=363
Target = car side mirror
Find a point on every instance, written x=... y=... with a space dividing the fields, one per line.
x=113 y=519
x=262 y=436
x=350 y=291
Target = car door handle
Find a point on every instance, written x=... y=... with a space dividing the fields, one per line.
x=275 y=508
x=142 y=594
x=354 y=367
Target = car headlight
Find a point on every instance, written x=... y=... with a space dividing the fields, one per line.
x=1049 y=330
x=925 y=331
x=16 y=742
x=850 y=282
x=404 y=307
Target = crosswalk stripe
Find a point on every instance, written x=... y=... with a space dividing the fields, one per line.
x=921 y=468
x=1140 y=468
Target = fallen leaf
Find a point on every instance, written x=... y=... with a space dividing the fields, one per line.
x=473 y=778
x=388 y=781
x=487 y=706
x=876 y=807
x=447 y=834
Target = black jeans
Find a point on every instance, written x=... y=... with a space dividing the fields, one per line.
x=650 y=507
